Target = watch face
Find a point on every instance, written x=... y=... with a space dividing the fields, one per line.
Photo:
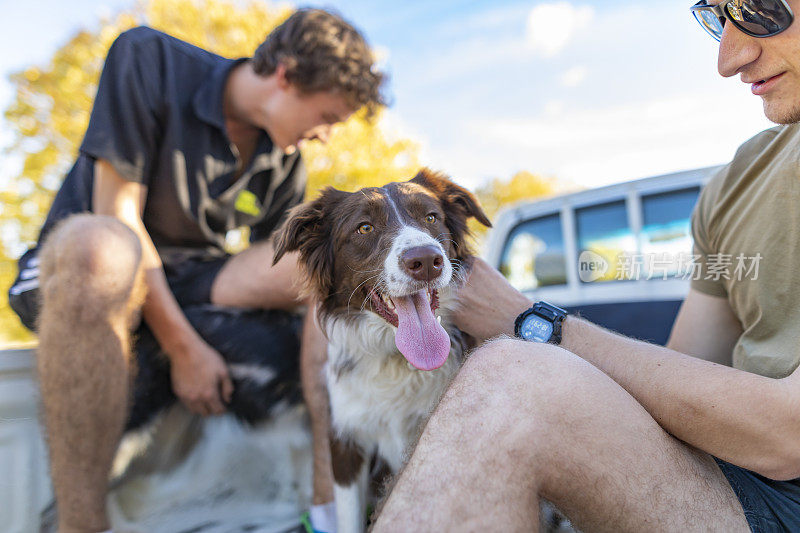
x=537 y=329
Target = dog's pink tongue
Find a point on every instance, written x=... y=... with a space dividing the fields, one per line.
x=420 y=338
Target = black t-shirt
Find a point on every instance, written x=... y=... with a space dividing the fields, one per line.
x=157 y=119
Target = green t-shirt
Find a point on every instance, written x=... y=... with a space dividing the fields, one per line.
x=746 y=229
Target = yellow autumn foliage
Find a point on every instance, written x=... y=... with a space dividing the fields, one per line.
x=358 y=154
x=522 y=186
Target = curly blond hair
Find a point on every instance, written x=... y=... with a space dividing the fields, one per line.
x=321 y=52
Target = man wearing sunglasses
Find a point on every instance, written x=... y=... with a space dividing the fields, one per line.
x=626 y=436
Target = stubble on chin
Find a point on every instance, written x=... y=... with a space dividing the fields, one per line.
x=780 y=114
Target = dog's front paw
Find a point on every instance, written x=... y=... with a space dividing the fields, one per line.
x=321 y=518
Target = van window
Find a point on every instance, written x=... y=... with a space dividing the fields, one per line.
x=533 y=255
x=666 y=231
x=604 y=238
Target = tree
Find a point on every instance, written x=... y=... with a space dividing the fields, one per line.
x=358 y=154
x=522 y=186
x=51 y=111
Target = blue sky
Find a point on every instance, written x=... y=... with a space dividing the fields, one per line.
x=593 y=92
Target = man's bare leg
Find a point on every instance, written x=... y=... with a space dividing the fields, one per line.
x=524 y=421
x=249 y=279
x=92 y=290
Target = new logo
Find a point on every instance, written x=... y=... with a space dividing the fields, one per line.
x=591 y=266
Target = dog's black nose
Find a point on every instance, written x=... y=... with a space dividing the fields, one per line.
x=423 y=263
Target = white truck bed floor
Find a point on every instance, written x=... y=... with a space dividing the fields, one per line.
x=184 y=473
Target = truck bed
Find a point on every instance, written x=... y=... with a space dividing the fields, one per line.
x=182 y=473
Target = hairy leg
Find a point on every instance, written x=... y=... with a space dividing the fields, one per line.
x=525 y=421
x=92 y=289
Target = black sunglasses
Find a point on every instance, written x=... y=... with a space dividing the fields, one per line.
x=757 y=18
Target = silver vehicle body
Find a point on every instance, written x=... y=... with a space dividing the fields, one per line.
x=542 y=247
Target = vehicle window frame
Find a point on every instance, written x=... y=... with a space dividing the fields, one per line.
x=565 y=255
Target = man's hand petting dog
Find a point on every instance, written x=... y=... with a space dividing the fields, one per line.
x=200 y=379
x=486 y=301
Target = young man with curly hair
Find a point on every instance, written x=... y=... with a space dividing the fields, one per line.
x=182 y=146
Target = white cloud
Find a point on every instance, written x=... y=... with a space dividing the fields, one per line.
x=599 y=146
x=633 y=114
x=574 y=76
x=493 y=19
x=473 y=55
x=554 y=108
x=552 y=26
x=395 y=127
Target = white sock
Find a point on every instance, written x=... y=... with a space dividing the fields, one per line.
x=323 y=517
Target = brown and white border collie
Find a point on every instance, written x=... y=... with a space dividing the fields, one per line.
x=382 y=263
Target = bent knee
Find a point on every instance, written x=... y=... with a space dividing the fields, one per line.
x=530 y=374
x=95 y=255
x=514 y=359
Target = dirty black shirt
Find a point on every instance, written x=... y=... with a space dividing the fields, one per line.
x=158 y=120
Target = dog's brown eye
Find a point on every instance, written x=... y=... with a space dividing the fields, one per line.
x=365 y=228
x=430 y=218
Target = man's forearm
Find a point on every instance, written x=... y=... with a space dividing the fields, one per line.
x=161 y=311
x=313 y=354
x=164 y=316
x=114 y=196
x=737 y=416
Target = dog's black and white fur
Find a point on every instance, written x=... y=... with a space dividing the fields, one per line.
x=363 y=252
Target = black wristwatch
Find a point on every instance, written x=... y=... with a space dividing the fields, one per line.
x=540 y=323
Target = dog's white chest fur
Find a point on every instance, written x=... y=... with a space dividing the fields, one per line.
x=378 y=400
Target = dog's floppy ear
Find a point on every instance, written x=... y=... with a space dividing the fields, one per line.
x=459 y=205
x=452 y=195
x=305 y=230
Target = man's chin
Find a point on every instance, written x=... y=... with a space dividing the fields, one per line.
x=287 y=147
x=281 y=141
x=782 y=114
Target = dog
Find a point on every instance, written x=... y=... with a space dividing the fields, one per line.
x=383 y=263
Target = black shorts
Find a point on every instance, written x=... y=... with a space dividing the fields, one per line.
x=260 y=347
x=770 y=506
